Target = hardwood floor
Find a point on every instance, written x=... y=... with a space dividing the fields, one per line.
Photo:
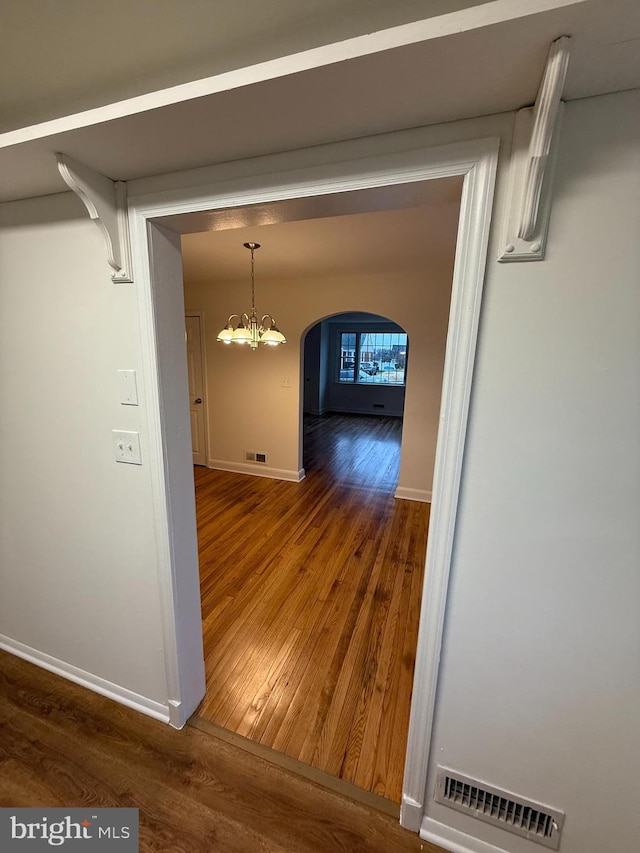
x=310 y=600
x=62 y=745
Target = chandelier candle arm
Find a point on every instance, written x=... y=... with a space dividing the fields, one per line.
x=248 y=330
x=271 y=336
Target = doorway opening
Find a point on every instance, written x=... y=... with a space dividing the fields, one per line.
x=354 y=374
x=355 y=363
x=311 y=590
x=158 y=219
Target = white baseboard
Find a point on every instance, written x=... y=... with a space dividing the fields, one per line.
x=256 y=470
x=413 y=494
x=453 y=840
x=86 y=679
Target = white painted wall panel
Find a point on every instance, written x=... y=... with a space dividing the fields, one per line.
x=540 y=679
x=77 y=567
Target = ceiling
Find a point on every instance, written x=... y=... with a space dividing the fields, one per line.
x=125 y=48
x=470 y=62
x=406 y=227
x=430 y=193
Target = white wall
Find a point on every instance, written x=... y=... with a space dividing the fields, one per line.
x=250 y=410
x=539 y=688
x=77 y=555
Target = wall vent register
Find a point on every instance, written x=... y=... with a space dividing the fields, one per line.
x=252 y=456
x=519 y=815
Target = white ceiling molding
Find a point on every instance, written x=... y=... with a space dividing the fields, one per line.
x=106 y=203
x=532 y=161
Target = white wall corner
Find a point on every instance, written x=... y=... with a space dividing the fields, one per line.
x=404 y=493
x=106 y=203
x=257 y=470
x=453 y=840
x=87 y=679
x=533 y=158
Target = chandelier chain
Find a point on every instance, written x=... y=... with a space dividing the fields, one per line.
x=253 y=282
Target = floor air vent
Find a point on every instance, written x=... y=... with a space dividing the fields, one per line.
x=515 y=814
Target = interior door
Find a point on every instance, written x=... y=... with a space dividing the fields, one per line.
x=196 y=389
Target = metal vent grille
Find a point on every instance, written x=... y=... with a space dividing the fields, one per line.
x=524 y=817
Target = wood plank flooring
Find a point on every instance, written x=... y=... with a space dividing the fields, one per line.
x=62 y=745
x=310 y=602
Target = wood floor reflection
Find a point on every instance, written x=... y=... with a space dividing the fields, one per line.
x=310 y=600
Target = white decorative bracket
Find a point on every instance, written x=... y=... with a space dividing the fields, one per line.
x=532 y=162
x=106 y=202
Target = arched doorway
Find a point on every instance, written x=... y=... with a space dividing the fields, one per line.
x=354 y=380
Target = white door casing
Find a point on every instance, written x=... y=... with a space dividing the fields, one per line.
x=164 y=360
x=197 y=387
x=171 y=470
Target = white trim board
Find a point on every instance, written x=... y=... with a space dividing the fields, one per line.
x=464 y=316
x=391 y=159
x=454 y=840
x=166 y=383
x=256 y=469
x=86 y=679
x=406 y=494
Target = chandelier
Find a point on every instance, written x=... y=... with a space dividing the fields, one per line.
x=249 y=330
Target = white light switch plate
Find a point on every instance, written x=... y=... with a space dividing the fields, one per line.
x=128 y=387
x=127 y=446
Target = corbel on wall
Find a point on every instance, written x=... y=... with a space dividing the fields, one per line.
x=532 y=162
x=106 y=203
